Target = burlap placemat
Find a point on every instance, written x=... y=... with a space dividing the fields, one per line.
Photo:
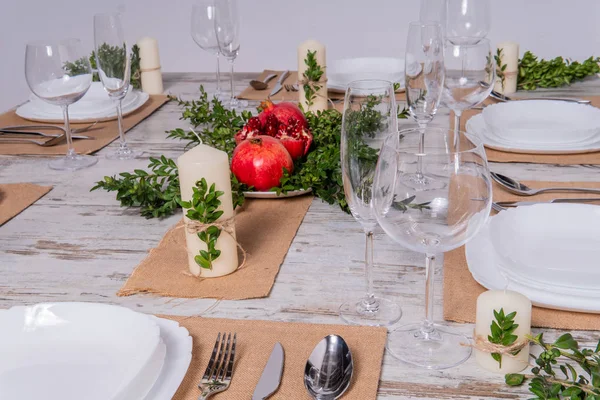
x=461 y=290
x=560 y=159
x=103 y=133
x=16 y=197
x=255 y=341
x=264 y=228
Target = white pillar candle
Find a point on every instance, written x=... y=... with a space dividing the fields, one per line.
x=213 y=165
x=510 y=58
x=150 y=66
x=509 y=301
x=320 y=102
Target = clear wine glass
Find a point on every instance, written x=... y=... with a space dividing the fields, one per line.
x=431 y=222
x=467 y=21
x=369 y=115
x=204 y=33
x=424 y=79
x=227 y=28
x=113 y=60
x=50 y=80
x=470 y=76
x=433 y=11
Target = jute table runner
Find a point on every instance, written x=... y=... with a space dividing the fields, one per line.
x=461 y=290
x=16 y=197
x=264 y=228
x=560 y=159
x=103 y=133
x=255 y=340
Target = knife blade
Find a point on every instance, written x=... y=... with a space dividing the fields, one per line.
x=271 y=376
x=530 y=203
x=6 y=132
x=279 y=84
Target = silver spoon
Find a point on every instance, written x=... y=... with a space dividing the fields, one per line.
x=329 y=369
x=501 y=97
x=261 y=85
x=519 y=188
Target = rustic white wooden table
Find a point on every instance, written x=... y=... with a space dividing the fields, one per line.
x=77 y=245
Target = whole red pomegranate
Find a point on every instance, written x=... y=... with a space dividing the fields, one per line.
x=296 y=138
x=283 y=111
x=259 y=162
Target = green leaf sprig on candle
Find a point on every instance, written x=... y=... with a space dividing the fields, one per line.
x=114 y=55
x=535 y=72
x=503 y=328
x=563 y=370
x=204 y=208
x=500 y=68
x=311 y=77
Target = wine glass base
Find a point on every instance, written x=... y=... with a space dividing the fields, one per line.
x=422 y=182
x=72 y=162
x=439 y=349
x=236 y=104
x=124 y=153
x=386 y=314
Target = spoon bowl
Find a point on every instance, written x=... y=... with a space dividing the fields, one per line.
x=329 y=369
x=516 y=187
x=262 y=85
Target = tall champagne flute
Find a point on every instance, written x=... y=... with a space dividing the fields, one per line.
x=431 y=222
x=467 y=21
x=470 y=75
x=113 y=60
x=369 y=116
x=202 y=29
x=49 y=80
x=227 y=28
x=424 y=79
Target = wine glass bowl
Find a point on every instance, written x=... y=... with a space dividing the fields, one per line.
x=203 y=32
x=49 y=79
x=369 y=115
x=467 y=21
x=431 y=221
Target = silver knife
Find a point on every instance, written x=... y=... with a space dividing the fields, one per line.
x=271 y=376
x=4 y=132
x=530 y=203
x=279 y=84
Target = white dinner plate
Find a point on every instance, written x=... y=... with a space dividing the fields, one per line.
x=94 y=106
x=74 y=351
x=177 y=360
x=341 y=72
x=542 y=121
x=477 y=126
x=273 y=195
x=553 y=244
x=482 y=261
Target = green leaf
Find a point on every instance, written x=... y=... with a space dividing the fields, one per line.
x=566 y=341
x=514 y=379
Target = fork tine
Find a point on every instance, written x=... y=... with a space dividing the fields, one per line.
x=219 y=362
x=223 y=366
x=230 y=363
x=211 y=363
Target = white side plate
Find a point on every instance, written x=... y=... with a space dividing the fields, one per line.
x=341 y=72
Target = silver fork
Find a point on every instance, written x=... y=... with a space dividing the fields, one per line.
x=291 y=88
x=217 y=376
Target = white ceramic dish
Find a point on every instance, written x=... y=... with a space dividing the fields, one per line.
x=553 y=244
x=96 y=351
x=94 y=106
x=177 y=360
x=341 y=72
x=273 y=195
x=477 y=126
x=542 y=121
x=482 y=262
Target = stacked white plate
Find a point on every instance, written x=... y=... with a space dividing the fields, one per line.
x=90 y=351
x=341 y=72
x=548 y=252
x=94 y=106
x=538 y=126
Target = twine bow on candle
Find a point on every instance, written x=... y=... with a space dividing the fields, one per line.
x=484 y=345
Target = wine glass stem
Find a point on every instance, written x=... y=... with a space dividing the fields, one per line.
x=120 y=123
x=218 y=73
x=70 y=150
x=369 y=302
x=422 y=127
x=457 y=115
x=427 y=326
x=231 y=85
